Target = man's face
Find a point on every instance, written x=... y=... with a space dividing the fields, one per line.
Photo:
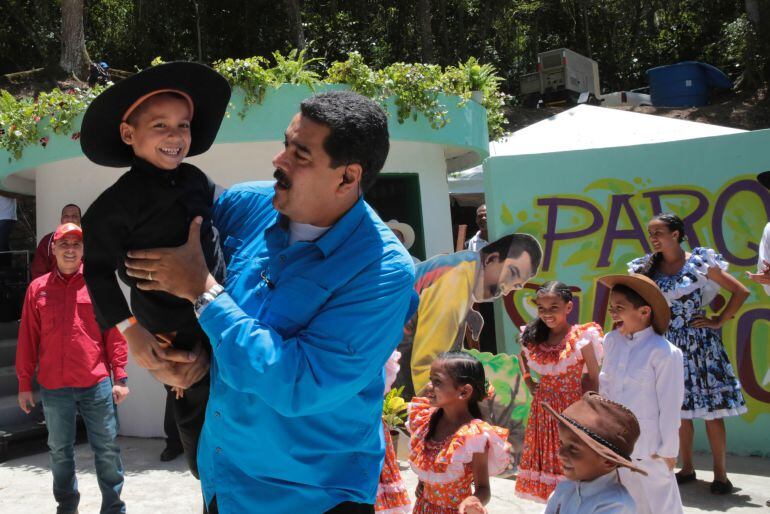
x=481 y=218
x=307 y=187
x=503 y=276
x=68 y=252
x=70 y=214
x=160 y=134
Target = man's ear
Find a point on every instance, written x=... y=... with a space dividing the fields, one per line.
x=127 y=133
x=351 y=178
x=491 y=257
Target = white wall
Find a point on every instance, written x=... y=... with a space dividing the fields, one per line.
x=79 y=181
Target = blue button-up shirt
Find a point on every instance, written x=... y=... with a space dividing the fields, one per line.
x=299 y=340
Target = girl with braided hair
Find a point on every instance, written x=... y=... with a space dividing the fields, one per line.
x=451 y=446
x=690 y=281
x=558 y=353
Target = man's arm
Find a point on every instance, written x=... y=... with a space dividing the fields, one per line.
x=344 y=347
x=39 y=266
x=28 y=341
x=117 y=352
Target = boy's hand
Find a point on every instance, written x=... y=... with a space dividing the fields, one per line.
x=670 y=461
x=472 y=505
x=26 y=401
x=119 y=393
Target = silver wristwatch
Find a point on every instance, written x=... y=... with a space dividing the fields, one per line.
x=206 y=298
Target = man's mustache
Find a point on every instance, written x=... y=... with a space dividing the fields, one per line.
x=282 y=178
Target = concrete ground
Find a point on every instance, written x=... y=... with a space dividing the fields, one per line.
x=155 y=487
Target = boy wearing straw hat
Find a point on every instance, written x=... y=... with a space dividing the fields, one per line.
x=645 y=372
x=597 y=438
x=150 y=122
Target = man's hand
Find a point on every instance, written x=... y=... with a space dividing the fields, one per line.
x=181 y=271
x=26 y=401
x=763 y=276
x=472 y=505
x=670 y=461
x=119 y=393
x=183 y=373
x=149 y=353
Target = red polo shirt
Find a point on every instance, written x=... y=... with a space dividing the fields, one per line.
x=59 y=335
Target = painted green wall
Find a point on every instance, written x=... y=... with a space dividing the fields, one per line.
x=612 y=192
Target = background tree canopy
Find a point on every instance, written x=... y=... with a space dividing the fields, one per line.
x=626 y=37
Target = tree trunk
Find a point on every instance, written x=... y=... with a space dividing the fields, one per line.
x=444 y=32
x=198 y=30
x=426 y=34
x=74 y=57
x=584 y=12
x=294 y=9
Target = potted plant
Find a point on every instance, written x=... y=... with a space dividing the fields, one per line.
x=394 y=412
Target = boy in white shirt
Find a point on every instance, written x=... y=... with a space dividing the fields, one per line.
x=645 y=372
x=597 y=438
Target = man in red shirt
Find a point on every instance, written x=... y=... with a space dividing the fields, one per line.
x=60 y=336
x=44 y=260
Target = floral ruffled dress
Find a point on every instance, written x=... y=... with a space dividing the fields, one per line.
x=560 y=370
x=712 y=389
x=392 y=495
x=444 y=467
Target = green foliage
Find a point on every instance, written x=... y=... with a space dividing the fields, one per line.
x=28 y=121
x=252 y=75
x=294 y=69
x=394 y=408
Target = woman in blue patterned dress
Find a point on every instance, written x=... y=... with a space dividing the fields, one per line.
x=690 y=281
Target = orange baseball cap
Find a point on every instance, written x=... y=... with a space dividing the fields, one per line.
x=68 y=229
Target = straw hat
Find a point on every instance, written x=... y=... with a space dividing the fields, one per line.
x=405 y=229
x=608 y=428
x=649 y=290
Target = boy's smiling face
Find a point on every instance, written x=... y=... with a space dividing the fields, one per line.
x=159 y=131
x=626 y=318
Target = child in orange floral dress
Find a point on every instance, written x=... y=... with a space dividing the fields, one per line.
x=392 y=496
x=558 y=352
x=451 y=447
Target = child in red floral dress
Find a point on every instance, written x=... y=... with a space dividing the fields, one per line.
x=451 y=447
x=392 y=496
x=558 y=352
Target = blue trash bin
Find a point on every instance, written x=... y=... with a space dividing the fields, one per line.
x=685 y=84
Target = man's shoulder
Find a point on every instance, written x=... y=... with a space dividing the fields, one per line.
x=256 y=192
x=38 y=283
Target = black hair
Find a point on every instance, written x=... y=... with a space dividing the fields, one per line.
x=513 y=245
x=463 y=368
x=537 y=331
x=358 y=131
x=673 y=222
x=80 y=212
x=139 y=109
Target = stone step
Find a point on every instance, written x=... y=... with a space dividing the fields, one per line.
x=9 y=385
x=7 y=352
x=9 y=330
x=11 y=414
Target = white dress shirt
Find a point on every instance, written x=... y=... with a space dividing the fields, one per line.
x=646 y=374
x=476 y=243
x=764 y=253
x=603 y=495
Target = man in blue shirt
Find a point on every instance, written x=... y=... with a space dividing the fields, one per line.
x=318 y=290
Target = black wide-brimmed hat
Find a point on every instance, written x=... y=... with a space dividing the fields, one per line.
x=764 y=179
x=204 y=88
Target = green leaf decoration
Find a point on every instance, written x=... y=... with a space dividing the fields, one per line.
x=611 y=184
x=505 y=215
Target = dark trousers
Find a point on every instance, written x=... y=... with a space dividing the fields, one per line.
x=189 y=413
x=342 y=508
x=169 y=421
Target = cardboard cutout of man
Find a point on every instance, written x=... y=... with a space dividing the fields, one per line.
x=448 y=285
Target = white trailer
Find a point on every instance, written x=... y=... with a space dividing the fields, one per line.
x=561 y=74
